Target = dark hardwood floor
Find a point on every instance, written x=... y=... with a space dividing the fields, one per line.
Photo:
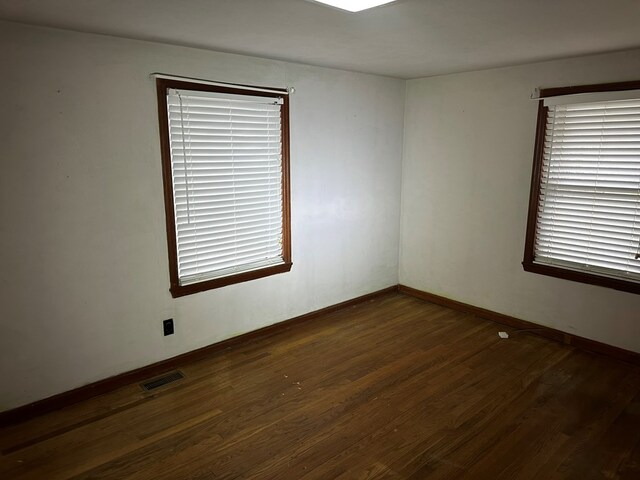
x=395 y=388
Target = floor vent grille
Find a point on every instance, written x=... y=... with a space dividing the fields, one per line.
x=162 y=381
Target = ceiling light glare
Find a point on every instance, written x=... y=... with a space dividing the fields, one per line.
x=354 y=5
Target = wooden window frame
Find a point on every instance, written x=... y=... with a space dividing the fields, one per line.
x=177 y=290
x=528 y=263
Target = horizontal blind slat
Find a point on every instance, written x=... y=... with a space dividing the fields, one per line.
x=622 y=250
x=551 y=224
x=226 y=271
x=591 y=257
x=194 y=235
x=236 y=258
x=213 y=241
x=222 y=250
x=616 y=239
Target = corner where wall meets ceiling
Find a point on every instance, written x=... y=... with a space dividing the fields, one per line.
x=404 y=39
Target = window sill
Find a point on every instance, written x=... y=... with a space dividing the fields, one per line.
x=183 y=290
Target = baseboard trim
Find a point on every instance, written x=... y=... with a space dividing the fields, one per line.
x=627 y=356
x=61 y=400
x=56 y=402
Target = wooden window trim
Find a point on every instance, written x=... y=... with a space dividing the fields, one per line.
x=534 y=197
x=177 y=290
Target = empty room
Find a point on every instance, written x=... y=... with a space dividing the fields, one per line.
x=317 y=240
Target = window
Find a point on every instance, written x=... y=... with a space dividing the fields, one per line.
x=584 y=211
x=225 y=154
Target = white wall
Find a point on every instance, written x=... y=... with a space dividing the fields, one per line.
x=466 y=170
x=85 y=281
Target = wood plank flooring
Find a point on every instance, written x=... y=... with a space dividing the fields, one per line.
x=395 y=388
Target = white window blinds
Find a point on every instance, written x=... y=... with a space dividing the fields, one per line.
x=226 y=166
x=589 y=208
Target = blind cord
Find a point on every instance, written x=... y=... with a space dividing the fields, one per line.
x=184 y=158
x=636 y=224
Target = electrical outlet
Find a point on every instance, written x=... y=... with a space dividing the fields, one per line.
x=167 y=327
